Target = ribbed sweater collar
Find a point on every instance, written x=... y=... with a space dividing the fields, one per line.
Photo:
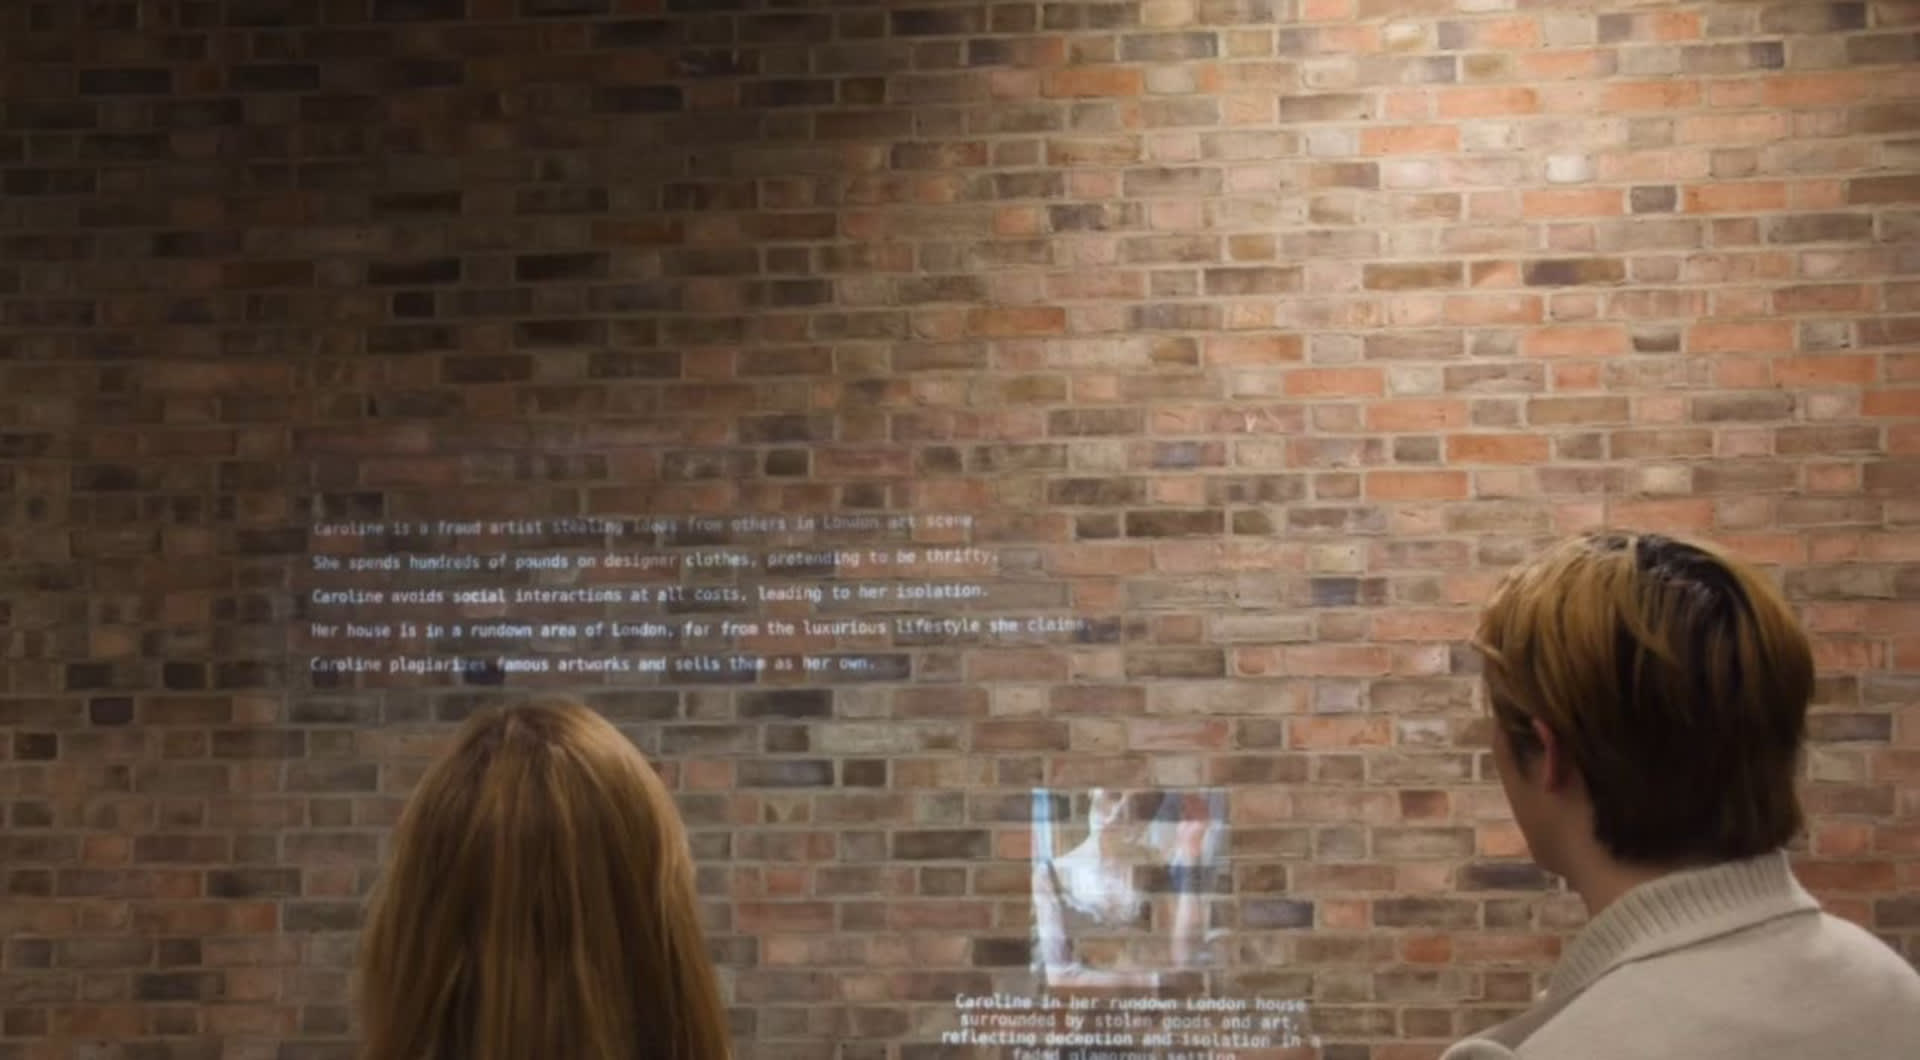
x=1680 y=909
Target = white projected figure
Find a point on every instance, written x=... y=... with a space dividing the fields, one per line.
x=1094 y=922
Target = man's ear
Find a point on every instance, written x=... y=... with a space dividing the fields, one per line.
x=1556 y=769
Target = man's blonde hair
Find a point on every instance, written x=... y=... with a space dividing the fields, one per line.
x=1676 y=677
x=540 y=906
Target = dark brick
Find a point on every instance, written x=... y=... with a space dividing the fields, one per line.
x=178 y=986
x=537 y=268
x=561 y=200
x=418 y=202
x=82 y=677
x=252 y=13
x=1504 y=876
x=1812 y=16
x=50 y=115
x=1001 y=952
x=785 y=773
x=785 y=428
x=1822 y=228
x=1734 y=407
x=419 y=10
x=1255 y=280
x=642 y=99
x=127 y=81
x=941 y=845
x=1169 y=47
x=788 y=92
x=1850 y=728
x=311 y=916
x=1897 y=913
x=1883 y=49
x=1654 y=198
x=1204 y=522
x=787 y=703
x=253 y=883
x=1095 y=421
x=556 y=8
x=1562 y=272
x=937 y=22
x=274 y=77
x=413 y=273
x=110 y=710
x=1266 y=914
x=24 y=182
x=1876 y=118
x=1450 y=914
x=183 y=676
x=486 y=368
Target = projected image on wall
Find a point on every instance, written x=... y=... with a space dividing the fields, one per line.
x=1124 y=888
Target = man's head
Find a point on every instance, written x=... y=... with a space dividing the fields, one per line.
x=1649 y=696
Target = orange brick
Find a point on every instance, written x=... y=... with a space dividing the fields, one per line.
x=1494 y=309
x=1518 y=32
x=1573 y=202
x=1336 y=660
x=1017 y=320
x=1416 y=414
x=1671 y=516
x=1577 y=340
x=1824 y=298
x=1445 y=626
x=1252 y=349
x=1477 y=102
x=1673 y=25
x=1335 y=732
x=1081 y=81
x=1822 y=877
x=1563 y=65
x=1497 y=449
x=1650 y=95
x=1331 y=382
x=1326 y=10
x=1815 y=90
x=1891 y=402
x=1415 y=485
x=1409 y=139
x=1769 y=336
x=1740 y=197
x=1835 y=369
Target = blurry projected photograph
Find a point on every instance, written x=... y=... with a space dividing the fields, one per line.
x=1125 y=889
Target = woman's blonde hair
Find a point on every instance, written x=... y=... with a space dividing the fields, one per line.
x=1677 y=679
x=539 y=906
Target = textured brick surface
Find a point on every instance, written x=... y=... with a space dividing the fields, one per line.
x=1263 y=332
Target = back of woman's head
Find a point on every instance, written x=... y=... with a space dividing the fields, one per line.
x=539 y=906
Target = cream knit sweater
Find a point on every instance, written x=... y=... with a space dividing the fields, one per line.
x=1732 y=962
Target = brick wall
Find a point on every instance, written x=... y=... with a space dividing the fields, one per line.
x=1264 y=332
